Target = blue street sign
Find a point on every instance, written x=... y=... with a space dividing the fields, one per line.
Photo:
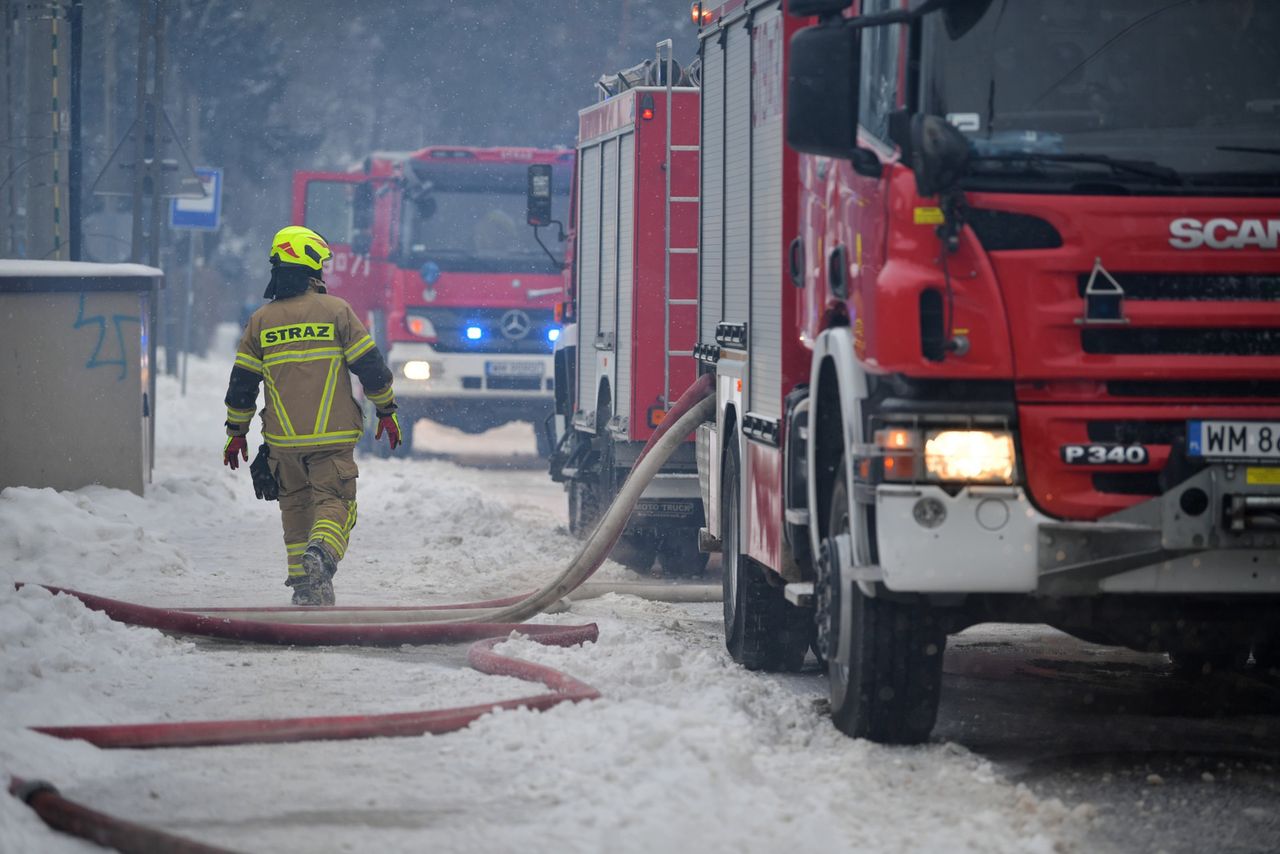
x=200 y=214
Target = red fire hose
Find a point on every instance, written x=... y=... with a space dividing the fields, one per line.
x=106 y=830
x=481 y=656
x=65 y=815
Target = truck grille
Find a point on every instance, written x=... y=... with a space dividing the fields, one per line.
x=1089 y=491
x=1181 y=287
x=1197 y=390
x=1154 y=341
x=1137 y=432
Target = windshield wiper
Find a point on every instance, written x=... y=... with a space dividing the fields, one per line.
x=1145 y=168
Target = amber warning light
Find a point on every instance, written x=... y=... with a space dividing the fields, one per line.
x=700 y=16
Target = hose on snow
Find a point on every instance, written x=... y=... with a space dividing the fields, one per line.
x=106 y=830
x=490 y=622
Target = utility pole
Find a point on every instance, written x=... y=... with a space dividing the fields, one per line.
x=47 y=137
x=8 y=136
x=75 y=155
x=109 y=105
x=147 y=163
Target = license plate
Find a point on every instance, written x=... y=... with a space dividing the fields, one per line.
x=1234 y=440
x=513 y=369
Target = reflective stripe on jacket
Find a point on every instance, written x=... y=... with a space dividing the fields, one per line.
x=303 y=348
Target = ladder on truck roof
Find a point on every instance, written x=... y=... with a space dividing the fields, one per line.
x=671 y=151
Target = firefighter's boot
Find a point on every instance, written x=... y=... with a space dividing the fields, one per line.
x=320 y=566
x=306 y=593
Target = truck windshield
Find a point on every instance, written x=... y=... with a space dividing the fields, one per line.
x=1188 y=87
x=470 y=217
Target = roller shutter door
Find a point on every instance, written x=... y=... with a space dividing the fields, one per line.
x=766 y=220
x=737 y=190
x=588 y=274
x=609 y=246
x=711 y=251
x=626 y=271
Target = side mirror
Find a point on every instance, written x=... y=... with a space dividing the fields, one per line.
x=939 y=154
x=538 y=207
x=361 y=242
x=805 y=8
x=822 y=90
x=362 y=207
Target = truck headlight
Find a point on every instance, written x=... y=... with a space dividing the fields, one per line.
x=417 y=370
x=973 y=456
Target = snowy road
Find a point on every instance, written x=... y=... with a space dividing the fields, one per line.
x=1044 y=744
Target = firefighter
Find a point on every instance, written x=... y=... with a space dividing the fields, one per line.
x=303 y=343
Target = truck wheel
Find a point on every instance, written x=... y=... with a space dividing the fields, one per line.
x=678 y=551
x=585 y=508
x=762 y=630
x=542 y=437
x=884 y=658
x=591 y=494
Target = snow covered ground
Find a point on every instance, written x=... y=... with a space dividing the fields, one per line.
x=686 y=752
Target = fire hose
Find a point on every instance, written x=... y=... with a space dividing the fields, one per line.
x=487 y=622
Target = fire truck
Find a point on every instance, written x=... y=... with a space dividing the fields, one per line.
x=991 y=293
x=429 y=249
x=632 y=299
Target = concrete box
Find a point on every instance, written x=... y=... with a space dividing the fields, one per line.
x=77 y=390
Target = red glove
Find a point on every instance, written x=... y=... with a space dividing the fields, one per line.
x=390 y=424
x=235 y=444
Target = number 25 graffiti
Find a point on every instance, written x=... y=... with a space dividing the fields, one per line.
x=119 y=352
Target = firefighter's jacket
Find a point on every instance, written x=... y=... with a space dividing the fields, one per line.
x=302 y=347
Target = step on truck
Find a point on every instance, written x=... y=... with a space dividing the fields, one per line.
x=429 y=248
x=627 y=353
x=991 y=293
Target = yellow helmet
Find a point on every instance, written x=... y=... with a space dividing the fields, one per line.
x=297 y=244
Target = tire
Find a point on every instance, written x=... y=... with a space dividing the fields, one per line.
x=762 y=630
x=591 y=494
x=888 y=685
x=543 y=440
x=585 y=509
x=678 y=551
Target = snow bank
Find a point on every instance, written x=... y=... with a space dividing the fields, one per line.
x=56 y=657
x=88 y=536
x=686 y=752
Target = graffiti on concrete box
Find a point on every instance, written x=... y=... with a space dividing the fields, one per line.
x=107 y=354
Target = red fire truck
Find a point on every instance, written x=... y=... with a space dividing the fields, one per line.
x=430 y=249
x=1002 y=344
x=633 y=301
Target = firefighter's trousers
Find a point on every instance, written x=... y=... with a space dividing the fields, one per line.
x=317 y=500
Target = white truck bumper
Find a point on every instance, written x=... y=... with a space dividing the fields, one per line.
x=471 y=375
x=993 y=540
